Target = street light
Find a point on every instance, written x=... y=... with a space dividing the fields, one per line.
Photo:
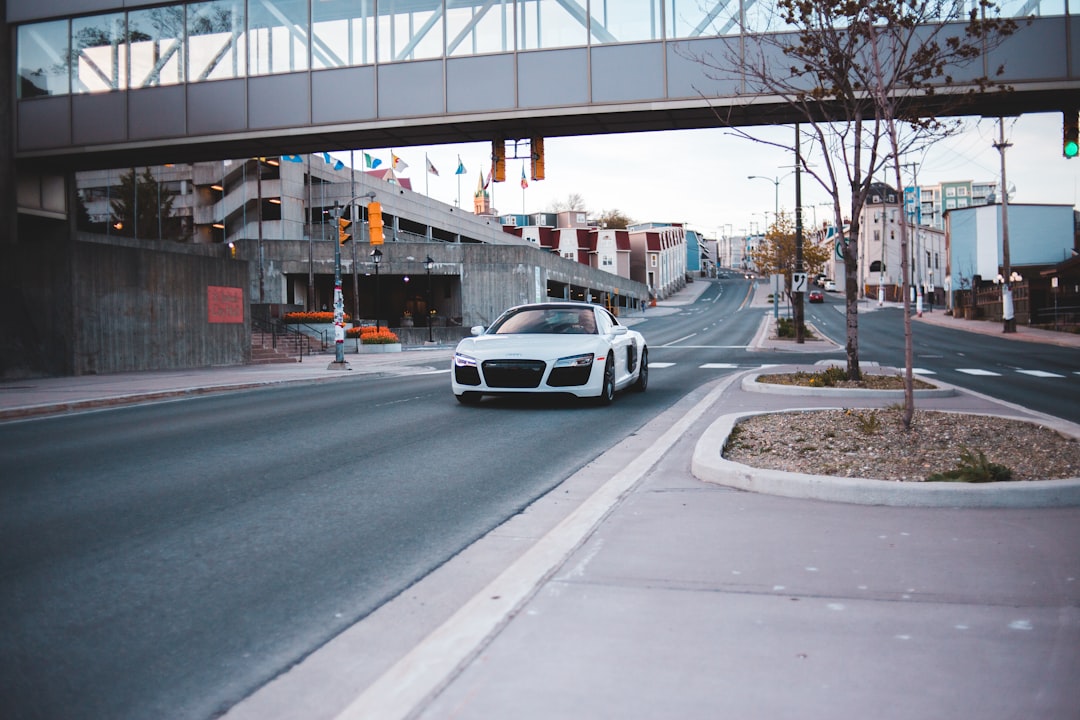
x=376 y=257
x=428 y=264
x=776 y=187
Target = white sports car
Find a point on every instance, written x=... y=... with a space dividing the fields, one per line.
x=554 y=347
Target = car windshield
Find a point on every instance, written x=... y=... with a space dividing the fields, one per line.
x=560 y=321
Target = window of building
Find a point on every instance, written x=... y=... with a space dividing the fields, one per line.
x=342 y=33
x=97 y=44
x=277 y=36
x=654 y=260
x=962 y=191
x=156 y=38
x=42 y=59
x=217 y=47
x=950 y=192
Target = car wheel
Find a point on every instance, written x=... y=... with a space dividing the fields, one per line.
x=468 y=398
x=643 y=372
x=607 y=391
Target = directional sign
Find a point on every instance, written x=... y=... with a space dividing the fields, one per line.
x=840 y=249
x=798 y=282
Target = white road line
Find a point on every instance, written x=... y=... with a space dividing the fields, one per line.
x=1039 y=373
x=679 y=340
x=657 y=365
x=718 y=366
x=922 y=371
x=977 y=371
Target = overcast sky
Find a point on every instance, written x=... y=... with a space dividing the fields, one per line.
x=699 y=177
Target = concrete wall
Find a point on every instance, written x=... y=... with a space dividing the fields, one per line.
x=147 y=308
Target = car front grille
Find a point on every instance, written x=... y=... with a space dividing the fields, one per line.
x=514 y=373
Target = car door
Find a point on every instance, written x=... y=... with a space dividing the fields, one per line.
x=622 y=345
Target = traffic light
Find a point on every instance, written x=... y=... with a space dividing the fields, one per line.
x=343 y=225
x=375 y=224
x=1071 y=144
x=498 y=159
x=537 y=155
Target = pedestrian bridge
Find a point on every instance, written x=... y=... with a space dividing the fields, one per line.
x=109 y=83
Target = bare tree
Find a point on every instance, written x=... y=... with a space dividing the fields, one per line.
x=573 y=201
x=835 y=66
x=614 y=219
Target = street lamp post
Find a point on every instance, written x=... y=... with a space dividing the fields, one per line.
x=428 y=264
x=376 y=257
x=776 y=190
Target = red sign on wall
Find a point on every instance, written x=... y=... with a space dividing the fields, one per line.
x=224 y=304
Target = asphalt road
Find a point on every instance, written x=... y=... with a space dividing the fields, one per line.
x=167 y=560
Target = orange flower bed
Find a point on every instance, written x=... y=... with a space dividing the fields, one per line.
x=312 y=317
x=372 y=336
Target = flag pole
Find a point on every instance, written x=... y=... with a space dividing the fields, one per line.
x=427 y=172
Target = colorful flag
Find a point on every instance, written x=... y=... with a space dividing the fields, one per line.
x=397 y=163
x=431 y=168
x=339 y=165
x=524 y=182
x=293 y=158
x=326 y=158
x=371 y=163
x=487 y=180
x=460 y=167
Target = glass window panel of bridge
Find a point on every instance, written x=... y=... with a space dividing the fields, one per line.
x=409 y=30
x=42 y=59
x=551 y=24
x=277 y=36
x=1039 y=8
x=156 y=46
x=342 y=33
x=479 y=26
x=216 y=40
x=695 y=18
x=99 y=56
x=624 y=20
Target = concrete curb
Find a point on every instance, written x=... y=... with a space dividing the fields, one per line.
x=708 y=465
x=750 y=384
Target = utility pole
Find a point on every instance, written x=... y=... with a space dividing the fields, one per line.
x=800 y=332
x=1007 y=311
x=339 y=303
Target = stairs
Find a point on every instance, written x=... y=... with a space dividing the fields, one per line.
x=289 y=347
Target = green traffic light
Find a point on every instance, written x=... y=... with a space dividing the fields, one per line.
x=1071 y=149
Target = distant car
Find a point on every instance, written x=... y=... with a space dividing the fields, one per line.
x=830 y=286
x=816 y=296
x=556 y=347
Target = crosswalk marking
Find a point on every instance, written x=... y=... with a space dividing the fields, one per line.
x=978 y=371
x=718 y=366
x=922 y=371
x=660 y=365
x=1040 y=373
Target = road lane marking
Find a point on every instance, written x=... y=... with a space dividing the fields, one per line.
x=655 y=365
x=679 y=340
x=718 y=366
x=1039 y=373
x=977 y=371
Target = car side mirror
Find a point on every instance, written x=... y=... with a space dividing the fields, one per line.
x=619 y=330
x=477 y=330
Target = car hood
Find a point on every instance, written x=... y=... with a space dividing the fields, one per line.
x=530 y=345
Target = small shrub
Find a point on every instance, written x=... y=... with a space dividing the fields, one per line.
x=973 y=468
x=868 y=423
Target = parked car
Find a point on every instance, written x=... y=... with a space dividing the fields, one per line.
x=830 y=286
x=557 y=347
x=816 y=296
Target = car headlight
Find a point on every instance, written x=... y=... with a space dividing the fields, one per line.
x=461 y=360
x=575 y=361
